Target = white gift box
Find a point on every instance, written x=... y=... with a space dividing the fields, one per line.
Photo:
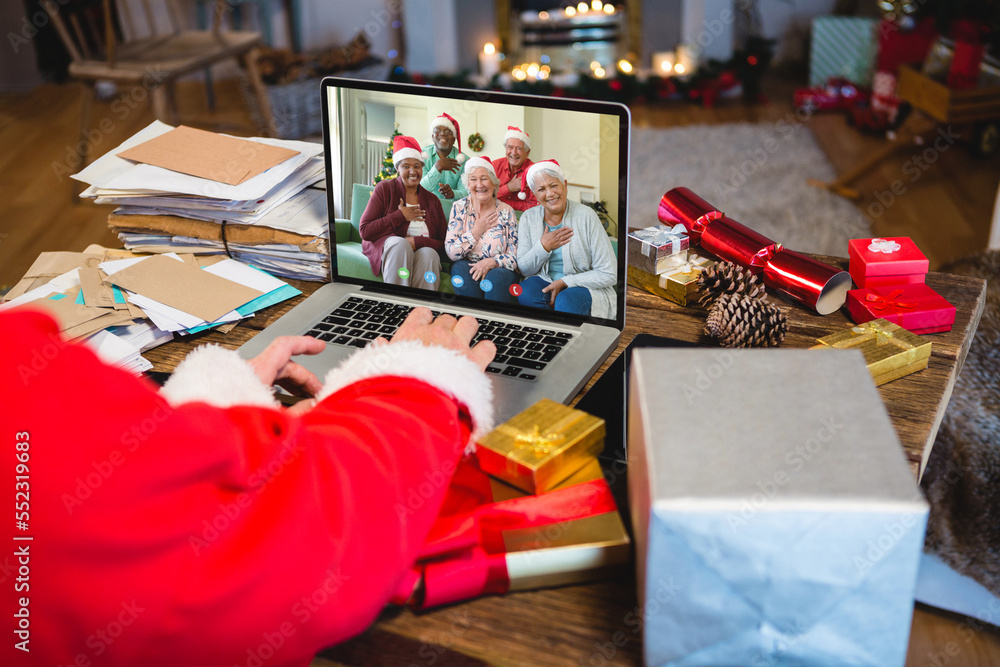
x=776 y=519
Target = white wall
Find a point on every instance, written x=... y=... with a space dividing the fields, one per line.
x=326 y=23
x=790 y=23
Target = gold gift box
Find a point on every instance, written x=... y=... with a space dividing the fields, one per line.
x=540 y=447
x=678 y=284
x=567 y=552
x=890 y=350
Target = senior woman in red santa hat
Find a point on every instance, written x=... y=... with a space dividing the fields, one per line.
x=482 y=237
x=403 y=226
x=563 y=249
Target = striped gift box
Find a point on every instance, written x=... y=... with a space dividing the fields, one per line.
x=843 y=46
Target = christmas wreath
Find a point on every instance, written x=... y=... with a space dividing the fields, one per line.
x=476 y=142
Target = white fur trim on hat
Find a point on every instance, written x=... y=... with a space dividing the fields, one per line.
x=217 y=376
x=449 y=371
x=404 y=153
x=517 y=133
x=441 y=121
x=546 y=165
x=461 y=158
x=479 y=163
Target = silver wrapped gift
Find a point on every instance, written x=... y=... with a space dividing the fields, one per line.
x=659 y=248
x=776 y=519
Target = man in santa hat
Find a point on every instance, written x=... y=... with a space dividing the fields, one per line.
x=512 y=168
x=443 y=166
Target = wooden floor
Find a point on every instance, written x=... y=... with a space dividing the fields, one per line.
x=946 y=208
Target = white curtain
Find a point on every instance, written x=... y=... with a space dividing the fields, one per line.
x=374 y=154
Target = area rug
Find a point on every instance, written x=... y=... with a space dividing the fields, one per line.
x=755 y=173
x=962 y=479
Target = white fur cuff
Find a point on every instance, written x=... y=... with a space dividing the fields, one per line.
x=449 y=371
x=217 y=376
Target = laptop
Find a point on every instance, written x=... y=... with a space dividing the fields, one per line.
x=542 y=353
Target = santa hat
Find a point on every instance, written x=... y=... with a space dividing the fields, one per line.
x=404 y=147
x=547 y=165
x=444 y=120
x=479 y=162
x=517 y=133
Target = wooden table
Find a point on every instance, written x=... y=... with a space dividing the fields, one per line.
x=599 y=624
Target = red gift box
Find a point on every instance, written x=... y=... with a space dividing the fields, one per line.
x=917 y=308
x=493 y=538
x=880 y=262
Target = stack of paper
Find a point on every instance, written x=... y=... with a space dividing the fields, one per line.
x=187 y=190
x=122 y=307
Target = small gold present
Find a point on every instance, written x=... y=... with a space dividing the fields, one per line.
x=540 y=447
x=678 y=284
x=890 y=350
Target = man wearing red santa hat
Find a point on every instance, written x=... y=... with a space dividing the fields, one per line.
x=203 y=524
x=443 y=166
x=512 y=169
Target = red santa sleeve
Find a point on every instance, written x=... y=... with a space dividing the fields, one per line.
x=170 y=530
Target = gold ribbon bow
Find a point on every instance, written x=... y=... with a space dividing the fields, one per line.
x=540 y=444
x=881 y=335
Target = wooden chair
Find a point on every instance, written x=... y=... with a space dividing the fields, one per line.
x=154 y=61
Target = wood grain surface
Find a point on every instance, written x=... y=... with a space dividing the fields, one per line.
x=599 y=623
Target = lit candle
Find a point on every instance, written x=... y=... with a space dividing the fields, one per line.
x=488 y=63
x=686 y=60
x=663 y=63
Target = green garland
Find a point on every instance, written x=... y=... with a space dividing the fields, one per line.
x=476 y=142
x=746 y=66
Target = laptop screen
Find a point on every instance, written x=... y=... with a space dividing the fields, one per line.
x=452 y=215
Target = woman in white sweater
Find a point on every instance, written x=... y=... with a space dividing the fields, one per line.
x=563 y=250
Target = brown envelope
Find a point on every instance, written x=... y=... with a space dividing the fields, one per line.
x=66 y=311
x=208 y=155
x=185 y=287
x=95 y=291
x=46 y=266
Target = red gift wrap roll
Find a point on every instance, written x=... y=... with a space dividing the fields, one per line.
x=816 y=284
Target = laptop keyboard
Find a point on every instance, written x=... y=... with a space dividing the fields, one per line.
x=522 y=351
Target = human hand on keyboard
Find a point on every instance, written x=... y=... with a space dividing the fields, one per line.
x=275 y=366
x=447 y=332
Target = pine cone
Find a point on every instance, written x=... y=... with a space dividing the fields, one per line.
x=728 y=278
x=738 y=320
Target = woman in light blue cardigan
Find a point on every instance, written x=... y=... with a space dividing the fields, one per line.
x=563 y=250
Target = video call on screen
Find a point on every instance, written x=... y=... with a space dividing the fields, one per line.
x=362 y=122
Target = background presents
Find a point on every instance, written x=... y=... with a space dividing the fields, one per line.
x=843 y=46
